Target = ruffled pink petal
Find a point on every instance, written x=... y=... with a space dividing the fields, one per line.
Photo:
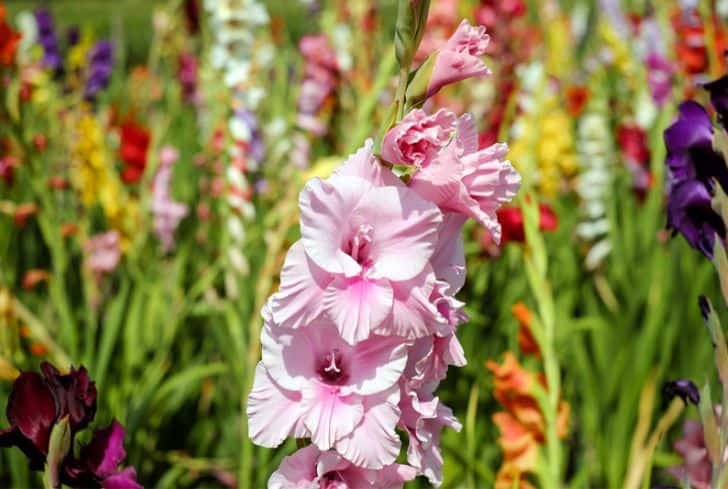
x=298 y=301
x=357 y=306
x=297 y=471
x=413 y=314
x=374 y=443
x=378 y=363
x=329 y=416
x=452 y=67
x=273 y=412
x=326 y=212
x=448 y=261
x=404 y=231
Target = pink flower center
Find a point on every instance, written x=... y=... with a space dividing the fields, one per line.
x=330 y=368
x=359 y=246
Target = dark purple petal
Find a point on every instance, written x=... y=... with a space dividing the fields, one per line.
x=689 y=143
x=689 y=212
x=105 y=451
x=684 y=389
x=126 y=479
x=704 y=307
x=75 y=394
x=32 y=410
x=719 y=97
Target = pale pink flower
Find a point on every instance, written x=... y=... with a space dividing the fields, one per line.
x=312 y=383
x=103 y=252
x=459 y=58
x=167 y=212
x=419 y=137
x=469 y=181
x=365 y=237
x=424 y=416
x=309 y=468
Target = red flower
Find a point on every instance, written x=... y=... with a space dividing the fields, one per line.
x=511 y=220
x=135 y=141
x=8 y=40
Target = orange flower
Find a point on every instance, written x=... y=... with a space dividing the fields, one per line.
x=68 y=229
x=23 y=212
x=526 y=341
x=576 y=99
x=520 y=447
x=38 y=349
x=34 y=277
x=522 y=425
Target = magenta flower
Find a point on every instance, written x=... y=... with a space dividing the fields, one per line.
x=459 y=178
x=309 y=468
x=99 y=463
x=313 y=383
x=459 y=58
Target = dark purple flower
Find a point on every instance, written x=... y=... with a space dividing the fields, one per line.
x=37 y=402
x=689 y=212
x=31 y=411
x=98 y=465
x=101 y=58
x=718 y=90
x=684 y=389
x=47 y=38
x=689 y=142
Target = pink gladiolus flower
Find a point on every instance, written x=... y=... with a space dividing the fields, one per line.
x=459 y=58
x=418 y=139
x=311 y=382
x=459 y=177
x=311 y=468
x=167 y=212
x=103 y=252
x=696 y=468
x=424 y=417
x=366 y=240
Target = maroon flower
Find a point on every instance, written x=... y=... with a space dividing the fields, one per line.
x=38 y=401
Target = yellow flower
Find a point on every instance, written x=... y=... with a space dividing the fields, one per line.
x=96 y=180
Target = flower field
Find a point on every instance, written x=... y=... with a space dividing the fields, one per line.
x=363 y=244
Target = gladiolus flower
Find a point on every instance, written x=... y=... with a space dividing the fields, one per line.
x=696 y=467
x=23 y=212
x=511 y=221
x=459 y=58
x=135 y=140
x=460 y=178
x=103 y=252
x=32 y=278
x=38 y=401
x=9 y=40
x=311 y=382
x=526 y=340
x=310 y=467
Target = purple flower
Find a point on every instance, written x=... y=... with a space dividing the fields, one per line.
x=693 y=166
x=689 y=212
x=47 y=38
x=101 y=58
x=187 y=75
x=38 y=401
x=689 y=142
x=659 y=77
